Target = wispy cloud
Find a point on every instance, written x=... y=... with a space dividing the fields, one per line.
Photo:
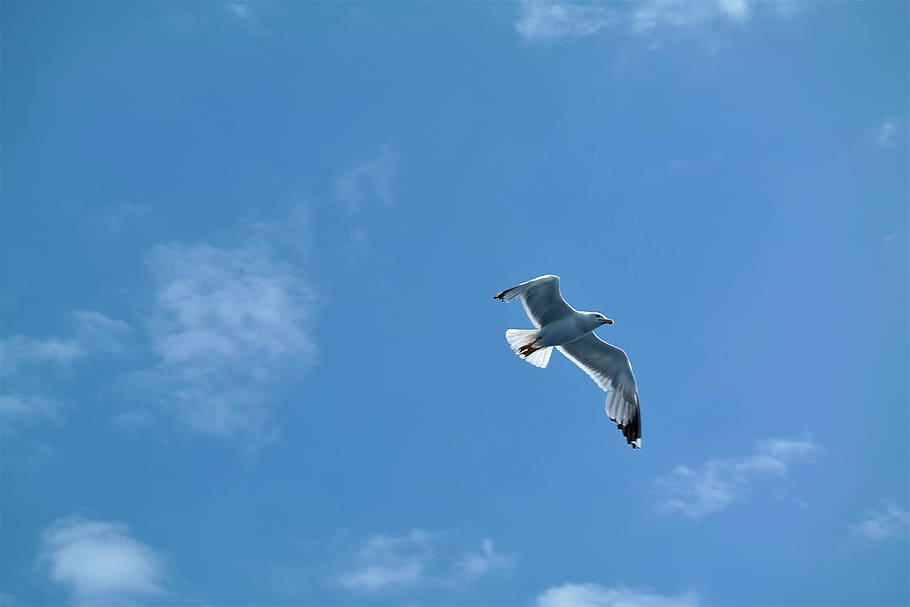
x=227 y=322
x=387 y=563
x=98 y=333
x=889 y=522
x=887 y=132
x=548 y=21
x=718 y=483
x=365 y=184
x=654 y=15
x=595 y=595
x=243 y=13
x=100 y=563
x=474 y=564
x=371 y=179
x=32 y=366
x=93 y=333
x=20 y=351
x=23 y=409
x=560 y=20
x=217 y=305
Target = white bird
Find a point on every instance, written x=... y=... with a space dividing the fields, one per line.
x=572 y=333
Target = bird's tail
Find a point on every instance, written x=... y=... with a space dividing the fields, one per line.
x=524 y=343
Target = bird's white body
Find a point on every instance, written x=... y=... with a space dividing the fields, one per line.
x=561 y=326
x=567 y=329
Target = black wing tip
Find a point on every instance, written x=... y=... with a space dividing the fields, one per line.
x=631 y=432
x=501 y=296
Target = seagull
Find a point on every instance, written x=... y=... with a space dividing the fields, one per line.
x=571 y=332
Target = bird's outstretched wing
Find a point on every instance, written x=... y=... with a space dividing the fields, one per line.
x=541 y=298
x=609 y=367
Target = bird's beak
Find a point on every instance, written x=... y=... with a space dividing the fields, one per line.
x=609 y=321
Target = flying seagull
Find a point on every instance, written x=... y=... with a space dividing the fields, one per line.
x=572 y=333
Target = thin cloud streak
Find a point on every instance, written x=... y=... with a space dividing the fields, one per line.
x=29 y=366
x=100 y=333
x=887 y=133
x=595 y=595
x=548 y=21
x=245 y=15
x=389 y=564
x=17 y=409
x=655 y=15
x=366 y=184
x=718 y=483
x=545 y=21
x=891 y=522
x=472 y=565
x=94 y=333
x=371 y=179
x=21 y=351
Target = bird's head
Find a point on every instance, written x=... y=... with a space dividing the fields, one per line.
x=600 y=319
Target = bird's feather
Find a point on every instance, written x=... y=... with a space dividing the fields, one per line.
x=541 y=299
x=610 y=369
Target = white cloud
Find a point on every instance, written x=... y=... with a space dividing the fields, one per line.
x=556 y=20
x=245 y=15
x=20 y=351
x=31 y=366
x=890 y=522
x=239 y=10
x=227 y=322
x=291 y=233
x=19 y=409
x=476 y=564
x=549 y=21
x=369 y=179
x=717 y=483
x=95 y=333
x=100 y=563
x=887 y=133
x=595 y=595
x=737 y=10
x=654 y=15
x=99 y=333
x=786 y=8
x=387 y=563
x=217 y=305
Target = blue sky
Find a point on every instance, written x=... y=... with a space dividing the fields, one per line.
x=250 y=353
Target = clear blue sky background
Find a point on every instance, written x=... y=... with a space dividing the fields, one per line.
x=250 y=351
